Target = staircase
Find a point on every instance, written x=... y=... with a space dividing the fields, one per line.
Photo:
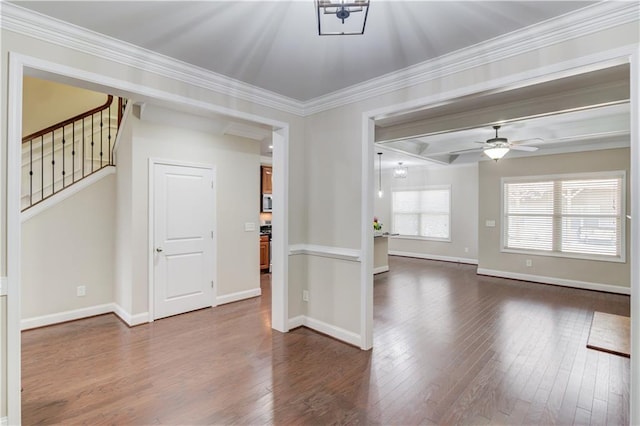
x=62 y=154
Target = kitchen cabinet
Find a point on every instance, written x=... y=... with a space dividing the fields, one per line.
x=264 y=252
x=267 y=182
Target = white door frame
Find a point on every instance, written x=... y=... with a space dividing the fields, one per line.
x=151 y=230
x=624 y=55
x=18 y=63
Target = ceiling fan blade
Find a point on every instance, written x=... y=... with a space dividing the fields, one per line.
x=524 y=148
x=461 y=151
x=524 y=141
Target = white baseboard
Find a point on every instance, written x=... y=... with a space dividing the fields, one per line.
x=434 y=257
x=324 y=328
x=556 y=281
x=130 y=320
x=380 y=269
x=56 y=318
x=296 y=322
x=240 y=295
x=4 y=421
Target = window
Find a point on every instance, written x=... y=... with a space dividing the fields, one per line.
x=422 y=213
x=571 y=215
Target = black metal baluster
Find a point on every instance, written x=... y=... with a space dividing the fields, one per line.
x=30 y=172
x=64 y=141
x=101 y=136
x=109 y=137
x=73 y=152
x=84 y=142
x=53 y=162
x=92 y=142
x=41 y=167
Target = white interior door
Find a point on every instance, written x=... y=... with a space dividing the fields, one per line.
x=183 y=239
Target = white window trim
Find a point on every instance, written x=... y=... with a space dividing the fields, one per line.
x=422 y=188
x=569 y=176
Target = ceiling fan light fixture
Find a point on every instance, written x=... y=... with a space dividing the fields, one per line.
x=496 y=152
x=400 y=172
x=342 y=17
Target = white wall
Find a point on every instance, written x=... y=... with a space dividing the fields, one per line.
x=68 y=245
x=463 y=181
x=237 y=164
x=588 y=271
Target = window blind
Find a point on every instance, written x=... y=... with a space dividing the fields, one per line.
x=566 y=215
x=422 y=213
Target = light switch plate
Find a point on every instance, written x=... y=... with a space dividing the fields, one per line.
x=249 y=226
x=490 y=223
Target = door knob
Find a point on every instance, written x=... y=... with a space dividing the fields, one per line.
x=159 y=249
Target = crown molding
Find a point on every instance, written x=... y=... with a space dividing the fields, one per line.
x=598 y=17
x=33 y=24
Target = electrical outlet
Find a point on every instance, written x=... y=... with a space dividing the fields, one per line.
x=528 y=262
x=81 y=291
x=466 y=249
x=305 y=295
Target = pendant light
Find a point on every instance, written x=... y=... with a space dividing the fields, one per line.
x=380 y=193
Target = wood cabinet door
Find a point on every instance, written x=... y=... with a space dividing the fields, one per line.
x=264 y=254
x=267 y=182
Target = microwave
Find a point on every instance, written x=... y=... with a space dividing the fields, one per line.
x=267 y=203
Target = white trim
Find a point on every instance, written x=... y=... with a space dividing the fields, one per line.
x=428 y=256
x=380 y=269
x=151 y=253
x=239 y=295
x=280 y=231
x=4 y=283
x=68 y=192
x=17 y=64
x=598 y=17
x=586 y=21
x=325 y=328
x=600 y=60
x=4 y=421
x=296 y=322
x=556 y=281
x=366 y=232
x=341 y=253
x=634 y=257
x=58 y=317
x=127 y=318
x=14 y=239
x=128 y=110
x=33 y=24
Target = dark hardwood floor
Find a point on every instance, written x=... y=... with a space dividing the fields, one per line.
x=451 y=347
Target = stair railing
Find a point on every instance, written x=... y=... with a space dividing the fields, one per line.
x=64 y=153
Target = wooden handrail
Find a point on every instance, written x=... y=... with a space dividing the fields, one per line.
x=49 y=129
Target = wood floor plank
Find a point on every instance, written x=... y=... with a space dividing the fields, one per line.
x=450 y=347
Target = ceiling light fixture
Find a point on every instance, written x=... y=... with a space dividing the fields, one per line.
x=333 y=16
x=497 y=151
x=400 y=172
x=380 y=193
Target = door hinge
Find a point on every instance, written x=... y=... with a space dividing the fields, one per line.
x=212 y=235
x=212 y=284
x=211 y=184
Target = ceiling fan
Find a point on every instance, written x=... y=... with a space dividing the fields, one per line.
x=497 y=147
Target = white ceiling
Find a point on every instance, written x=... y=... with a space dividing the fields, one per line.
x=274 y=44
